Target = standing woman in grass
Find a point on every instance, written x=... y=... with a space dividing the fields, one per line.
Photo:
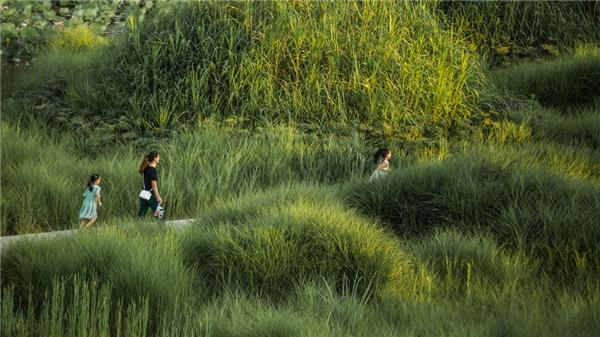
x=151 y=198
x=91 y=199
x=381 y=158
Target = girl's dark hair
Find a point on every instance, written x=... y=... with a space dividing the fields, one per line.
x=147 y=159
x=93 y=179
x=381 y=153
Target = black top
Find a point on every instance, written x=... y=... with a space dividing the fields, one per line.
x=150 y=174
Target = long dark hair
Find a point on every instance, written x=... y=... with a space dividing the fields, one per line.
x=380 y=154
x=92 y=180
x=147 y=159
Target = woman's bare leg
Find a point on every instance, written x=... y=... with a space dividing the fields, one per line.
x=82 y=223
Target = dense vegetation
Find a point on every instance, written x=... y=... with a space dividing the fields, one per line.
x=508 y=31
x=239 y=62
x=266 y=115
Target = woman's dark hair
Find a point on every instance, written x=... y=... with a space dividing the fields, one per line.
x=92 y=180
x=147 y=159
x=380 y=154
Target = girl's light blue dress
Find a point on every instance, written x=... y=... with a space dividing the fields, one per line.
x=379 y=173
x=88 y=209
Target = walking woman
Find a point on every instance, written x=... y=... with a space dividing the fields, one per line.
x=149 y=196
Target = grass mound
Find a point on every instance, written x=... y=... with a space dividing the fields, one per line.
x=580 y=163
x=302 y=62
x=507 y=31
x=577 y=127
x=561 y=83
x=269 y=248
x=521 y=207
x=466 y=262
x=133 y=265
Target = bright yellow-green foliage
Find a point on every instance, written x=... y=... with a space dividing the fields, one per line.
x=587 y=49
x=78 y=38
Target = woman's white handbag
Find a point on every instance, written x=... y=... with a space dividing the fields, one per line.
x=146 y=195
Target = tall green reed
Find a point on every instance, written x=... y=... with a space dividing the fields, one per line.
x=43 y=181
x=304 y=63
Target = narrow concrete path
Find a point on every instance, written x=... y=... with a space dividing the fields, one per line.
x=6 y=240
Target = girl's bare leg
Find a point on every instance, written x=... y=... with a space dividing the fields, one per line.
x=89 y=224
x=82 y=224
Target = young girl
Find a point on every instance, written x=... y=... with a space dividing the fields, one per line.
x=91 y=198
x=381 y=158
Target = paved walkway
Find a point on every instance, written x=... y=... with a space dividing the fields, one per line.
x=5 y=240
